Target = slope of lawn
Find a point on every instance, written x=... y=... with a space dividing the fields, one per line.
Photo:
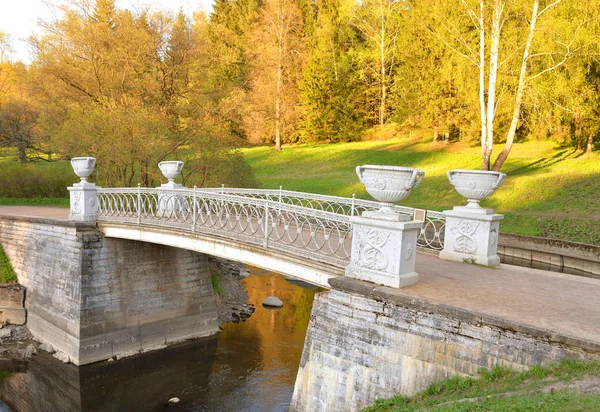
x=559 y=387
x=550 y=191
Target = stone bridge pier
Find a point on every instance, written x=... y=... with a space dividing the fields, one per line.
x=94 y=298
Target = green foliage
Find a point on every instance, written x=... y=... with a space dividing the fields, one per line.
x=216 y=285
x=330 y=104
x=7 y=274
x=502 y=389
x=35 y=180
x=35 y=201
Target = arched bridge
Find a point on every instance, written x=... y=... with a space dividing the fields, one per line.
x=302 y=235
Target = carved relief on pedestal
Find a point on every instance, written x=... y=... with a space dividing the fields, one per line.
x=465 y=241
x=370 y=243
x=92 y=201
x=408 y=251
x=493 y=237
x=76 y=205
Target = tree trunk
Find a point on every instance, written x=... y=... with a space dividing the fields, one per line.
x=22 y=155
x=382 y=64
x=485 y=164
x=520 y=88
x=590 y=144
x=278 y=91
x=496 y=30
x=578 y=133
x=436 y=133
x=278 y=111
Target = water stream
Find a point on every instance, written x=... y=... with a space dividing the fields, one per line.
x=249 y=366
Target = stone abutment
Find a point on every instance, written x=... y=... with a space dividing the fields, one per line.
x=94 y=298
x=367 y=342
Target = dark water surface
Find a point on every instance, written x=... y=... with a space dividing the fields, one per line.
x=249 y=366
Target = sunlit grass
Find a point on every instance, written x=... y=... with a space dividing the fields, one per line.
x=545 y=182
x=502 y=389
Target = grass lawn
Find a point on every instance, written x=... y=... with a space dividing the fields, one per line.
x=550 y=191
x=7 y=273
x=552 y=388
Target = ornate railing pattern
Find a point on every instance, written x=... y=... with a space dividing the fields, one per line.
x=430 y=238
x=305 y=232
x=302 y=224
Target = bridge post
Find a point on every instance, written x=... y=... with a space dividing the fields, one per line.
x=384 y=243
x=471 y=236
x=83 y=195
x=472 y=231
x=384 y=249
x=169 y=203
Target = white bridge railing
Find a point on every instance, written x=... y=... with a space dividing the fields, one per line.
x=431 y=236
x=302 y=224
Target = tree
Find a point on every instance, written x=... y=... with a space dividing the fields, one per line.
x=502 y=42
x=18 y=120
x=132 y=90
x=331 y=109
x=378 y=22
x=276 y=53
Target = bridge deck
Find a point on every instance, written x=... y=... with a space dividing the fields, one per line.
x=560 y=303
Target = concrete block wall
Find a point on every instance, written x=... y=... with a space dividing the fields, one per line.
x=139 y=296
x=360 y=348
x=550 y=254
x=93 y=297
x=46 y=256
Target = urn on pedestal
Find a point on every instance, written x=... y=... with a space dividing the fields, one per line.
x=471 y=232
x=384 y=242
x=83 y=167
x=476 y=185
x=170 y=204
x=83 y=195
x=388 y=184
x=171 y=169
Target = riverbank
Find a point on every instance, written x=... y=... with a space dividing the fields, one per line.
x=568 y=385
x=250 y=366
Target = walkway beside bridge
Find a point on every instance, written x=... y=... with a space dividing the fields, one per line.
x=553 y=304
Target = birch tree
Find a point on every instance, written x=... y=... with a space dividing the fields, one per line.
x=506 y=46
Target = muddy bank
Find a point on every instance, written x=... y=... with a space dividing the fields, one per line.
x=16 y=343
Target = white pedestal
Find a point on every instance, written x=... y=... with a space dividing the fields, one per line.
x=84 y=202
x=168 y=202
x=383 y=250
x=471 y=236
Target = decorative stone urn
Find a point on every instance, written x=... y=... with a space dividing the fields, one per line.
x=169 y=203
x=83 y=195
x=476 y=185
x=171 y=169
x=471 y=232
x=83 y=166
x=384 y=243
x=389 y=184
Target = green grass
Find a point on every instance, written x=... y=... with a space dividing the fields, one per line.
x=216 y=285
x=550 y=191
x=35 y=201
x=7 y=274
x=502 y=389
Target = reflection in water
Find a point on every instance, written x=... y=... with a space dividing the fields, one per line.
x=250 y=366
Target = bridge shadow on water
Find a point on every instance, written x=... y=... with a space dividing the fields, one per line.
x=249 y=366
